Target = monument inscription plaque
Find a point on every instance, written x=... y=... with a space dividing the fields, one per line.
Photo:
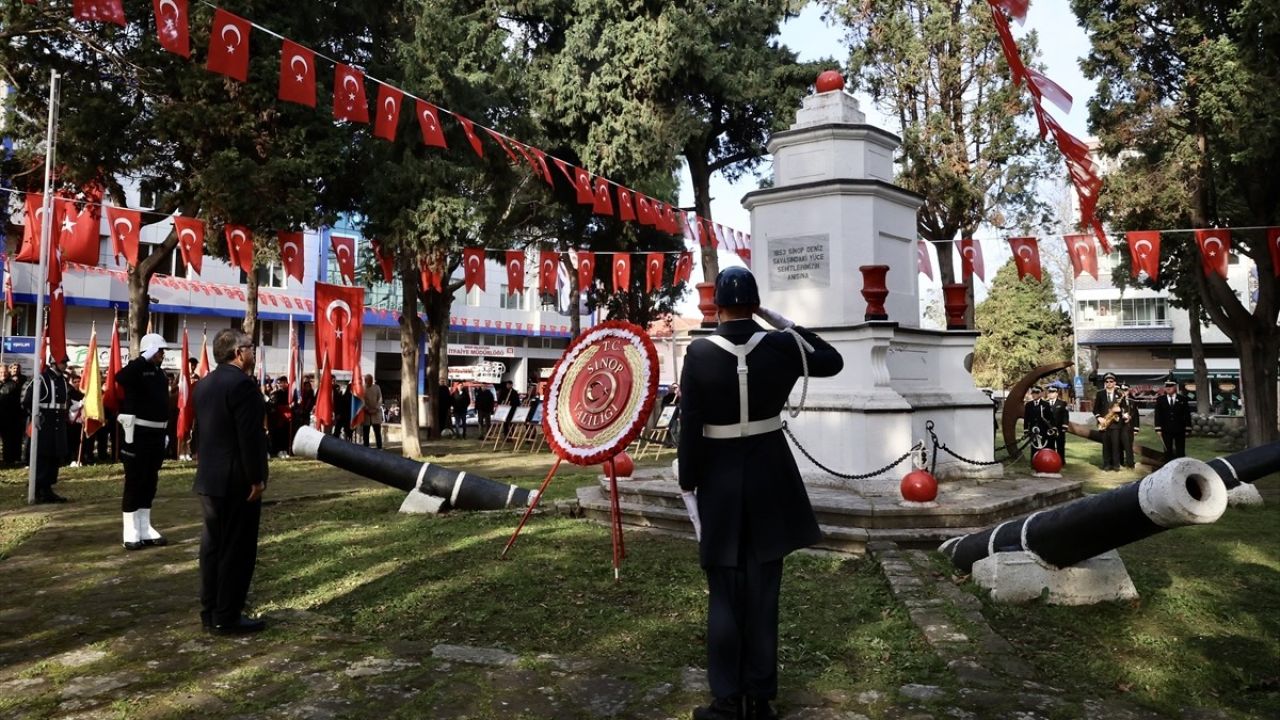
x=797 y=262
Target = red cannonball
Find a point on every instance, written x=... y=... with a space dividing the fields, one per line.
x=830 y=81
x=1046 y=461
x=919 y=486
x=623 y=465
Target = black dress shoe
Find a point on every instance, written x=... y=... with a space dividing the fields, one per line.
x=760 y=709
x=206 y=621
x=157 y=542
x=241 y=626
x=50 y=497
x=136 y=545
x=729 y=708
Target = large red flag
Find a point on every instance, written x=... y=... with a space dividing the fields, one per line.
x=1027 y=256
x=621 y=271
x=586 y=270
x=548 y=265
x=603 y=201
x=126 y=230
x=173 y=26
x=229 y=45
x=186 y=402
x=1084 y=254
x=429 y=121
x=297 y=74
x=515 y=271
x=684 y=267
x=1215 y=249
x=653 y=271
x=324 y=395
x=32 y=228
x=111 y=11
x=79 y=233
x=291 y=256
x=339 y=317
x=469 y=129
x=923 y=263
x=344 y=251
x=971 y=259
x=240 y=247
x=112 y=395
x=473 y=268
x=1273 y=244
x=57 y=324
x=386 y=262
x=190 y=241
x=1144 y=253
x=389 y=101
x=349 y=101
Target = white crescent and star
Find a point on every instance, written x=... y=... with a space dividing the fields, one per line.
x=235 y=31
x=128 y=226
x=390 y=106
x=187 y=237
x=306 y=68
x=1139 y=247
x=172 y=5
x=68 y=225
x=430 y=117
x=1212 y=242
x=1029 y=252
x=288 y=246
x=328 y=314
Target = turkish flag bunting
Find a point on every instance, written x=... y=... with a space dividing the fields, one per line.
x=971 y=259
x=626 y=205
x=31 y=231
x=1215 y=247
x=621 y=272
x=543 y=169
x=429 y=121
x=430 y=278
x=1010 y=48
x=586 y=196
x=111 y=11
x=173 y=26
x=744 y=248
x=344 y=251
x=586 y=270
x=386 y=262
x=291 y=257
x=709 y=233
x=515 y=271
x=548 y=265
x=57 y=323
x=923 y=263
x=297 y=74
x=644 y=210
x=684 y=267
x=567 y=172
x=726 y=238
x=469 y=129
x=324 y=395
x=1144 y=253
x=502 y=143
x=473 y=268
x=1101 y=235
x=126 y=230
x=229 y=45
x=190 y=240
x=653 y=271
x=667 y=220
x=1017 y=9
x=339 y=325
x=603 y=201
x=687 y=231
x=1273 y=244
x=349 y=101
x=239 y=246
x=389 y=101
x=79 y=233
x=1027 y=256
x=1084 y=254
x=1043 y=88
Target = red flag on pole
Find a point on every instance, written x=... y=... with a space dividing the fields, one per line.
x=971 y=259
x=339 y=317
x=923 y=263
x=1027 y=256
x=229 y=45
x=1273 y=244
x=389 y=101
x=586 y=269
x=186 y=401
x=548 y=265
x=344 y=251
x=357 y=398
x=112 y=398
x=621 y=272
x=240 y=246
x=291 y=257
x=190 y=240
x=297 y=74
x=515 y=271
x=1215 y=249
x=57 y=324
x=473 y=268
x=92 y=416
x=204 y=366
x=349 y=101
x=1144 y=253
x=173 y=26
x=324 y=395
x=1084 y=254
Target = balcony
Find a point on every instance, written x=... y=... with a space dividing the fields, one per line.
x=1114 y=331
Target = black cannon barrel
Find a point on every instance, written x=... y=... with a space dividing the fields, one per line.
x=1183 y=492
x=459 y=489
x=1249 y=465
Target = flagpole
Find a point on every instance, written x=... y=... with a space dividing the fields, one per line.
x=42 y=280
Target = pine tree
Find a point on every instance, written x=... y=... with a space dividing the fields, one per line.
x=1022 y=326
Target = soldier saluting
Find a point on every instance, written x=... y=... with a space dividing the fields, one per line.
x=750 y=497
x=144 y=420
x=51 y=449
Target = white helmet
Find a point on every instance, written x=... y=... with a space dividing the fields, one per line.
x=152 y=343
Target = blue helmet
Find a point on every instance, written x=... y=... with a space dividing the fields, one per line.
x=736 y=286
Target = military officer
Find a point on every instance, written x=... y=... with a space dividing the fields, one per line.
x=1057 y=417
x=144 y=420
x=1172 y=418
x=1129 y=432
x=1035 y=420
x=55 y=397
x=749 y=495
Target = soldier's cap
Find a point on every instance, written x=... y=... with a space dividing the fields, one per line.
x=1053 y=388
x=1036 y=389
x=736 y=286
x=1108 y=376
x=1170 y=383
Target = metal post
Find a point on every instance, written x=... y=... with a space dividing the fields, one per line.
x=42 y=279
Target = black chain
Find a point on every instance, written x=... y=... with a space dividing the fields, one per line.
x=938 y=445
x=844 y=476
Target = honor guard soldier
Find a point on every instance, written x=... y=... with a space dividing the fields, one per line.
x=51 y=450
x=1172 y=418
x=144 y=420
x=750 y=497
x=1057 y=417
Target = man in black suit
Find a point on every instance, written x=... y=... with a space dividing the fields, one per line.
x=230 y=478
x=51 y=390
x=750 y=497
x=1035 y=419
x=1129 y=433
x=1107 y=399
x=1057 y=417
x=484 y=409
x=1172 y=417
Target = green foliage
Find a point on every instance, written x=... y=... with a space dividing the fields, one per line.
x=1022 y=327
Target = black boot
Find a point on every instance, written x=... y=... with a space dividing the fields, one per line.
x=729 y=708
x=759 y=709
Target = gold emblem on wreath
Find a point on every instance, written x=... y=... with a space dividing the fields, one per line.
x=605 y=407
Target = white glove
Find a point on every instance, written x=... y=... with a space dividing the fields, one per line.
x=774 y=319
x=691 y=506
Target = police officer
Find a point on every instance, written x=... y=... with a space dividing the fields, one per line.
x=56 y=395
x=144 y=421
x=749 y=494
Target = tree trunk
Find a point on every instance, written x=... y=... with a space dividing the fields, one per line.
x=411 y=332
x=437 y=306
x=139 y=284
x=1204 y=398
x=946 y=252
x=250 y=322
x=575 y=320
x=1259 y=353
x=700 y=177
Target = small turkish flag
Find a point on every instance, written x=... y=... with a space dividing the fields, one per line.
x=569 y=175
x=429 y=121
x=385 y=261
x=349 y=102
x=582 y=180
x=473 y=268
x=515 y=271
x=229 y=45
x=469 y=129
x=173 y=26
x=709 y=238
x=684 y=267
x=78 y=236
x=344 y=251
x=626 y=206
x=1084 y=254
x=502 y=143
x=1273 y=244
x=297 y=74
x=291 y=257
x=431 y=278
x=543 y=169
x=190 y=240
x=744 y=246
x=923 y=263
x=644 y=210
x=1027 y=256
x=603 y=203
x=126 y=228
x=32 y=227
x=586 y=270
x=971 y=259
x=621 y=271
x=324 y=396
x=1215 y=249
x=548 y=264
x=1045 y=89
x=239 y=246
x=389 y=101
x=653 y=271
x=111 y=11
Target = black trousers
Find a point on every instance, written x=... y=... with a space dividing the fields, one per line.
x=1126 y=446
x=228 y=552
x=742 y=628
x=141 y=475
x=377 y=434
x=1059 y=443
x=13 y=439
x=1175 y=445
x=1111 y=447
x=47 y=465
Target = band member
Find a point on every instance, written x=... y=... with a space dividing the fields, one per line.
x=1111 y=411
x=55 y=397
x=1035 y=420
x=1172 y=418
x=1057 y=417
x=752 y=503
x=1130 y=432
x=144 y=422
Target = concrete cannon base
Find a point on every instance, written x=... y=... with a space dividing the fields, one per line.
x=1017 y=577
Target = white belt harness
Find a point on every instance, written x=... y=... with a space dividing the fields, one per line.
x=744 y=427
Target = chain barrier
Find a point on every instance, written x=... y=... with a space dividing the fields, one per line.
x=940 y=446
x=917 y=448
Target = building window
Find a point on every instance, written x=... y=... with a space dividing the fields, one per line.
x=266 y=332
x=1124 y=312
x=514 y=300
x=473 y=297
x=22 y=320
x=271 y=275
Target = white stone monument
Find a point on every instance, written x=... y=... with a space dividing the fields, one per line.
x=833 y=208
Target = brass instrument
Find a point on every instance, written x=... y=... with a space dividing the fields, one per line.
x=1109 y=419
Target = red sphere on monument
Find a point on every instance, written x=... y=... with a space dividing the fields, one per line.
x=919 y=486
x=1046 y=461
x=623 y=465
x=830 y=81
